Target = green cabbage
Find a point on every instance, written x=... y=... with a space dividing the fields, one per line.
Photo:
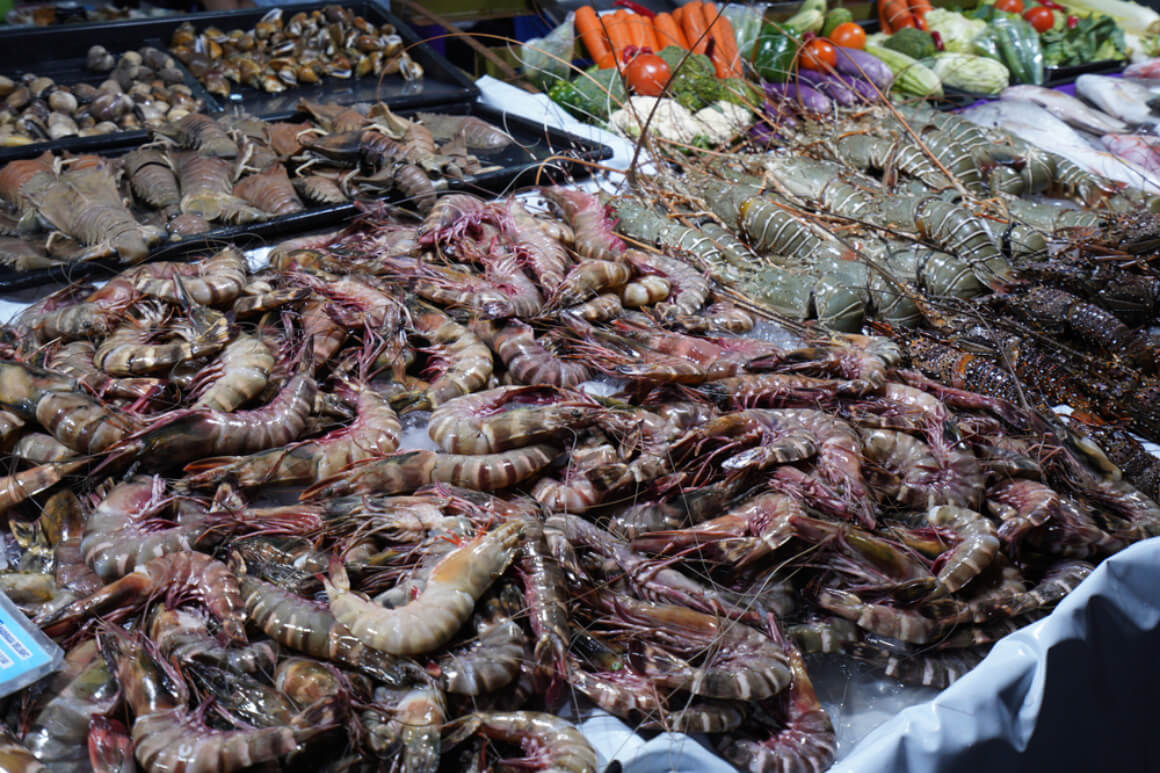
x=694 y=83
x=957 y=31
x=592 y=96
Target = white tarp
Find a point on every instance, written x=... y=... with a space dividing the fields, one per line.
x=1074 y=691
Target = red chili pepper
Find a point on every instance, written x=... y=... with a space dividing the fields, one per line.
x=636 y=8
x=938 y=44
x=1052 y=5
x=709 y=47
x=1072 y=21
x=808 y=36
x=629 y=53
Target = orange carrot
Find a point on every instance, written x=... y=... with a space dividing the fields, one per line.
x=736 y=69
x=624 y=19
x=679 y=18
x=668 y=31
x=722 y=32
x=618 y=33
x=883 y=22
x=918 y=9
x=635 y=23
x=717 y=53
x=595 y=41
x=652 y=40
x=693 y=25
x=898 y=14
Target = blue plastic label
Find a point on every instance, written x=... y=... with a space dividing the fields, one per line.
x=26 y=654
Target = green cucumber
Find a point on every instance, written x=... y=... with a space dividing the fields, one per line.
x=805 y=20
x=834 y=18
x=911 y=78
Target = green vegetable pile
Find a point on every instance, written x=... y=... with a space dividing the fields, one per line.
x=1012 y=41
x=592 y=95
x=694 y=83
x=1093 y=39
x=1009 y=40
x=595 y=94
x=913 y=42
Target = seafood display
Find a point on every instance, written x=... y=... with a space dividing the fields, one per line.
x=850 y=382
x=141 y=89
x=304 y=48
x=415 y=484
x=917 y=222
x=203 y=173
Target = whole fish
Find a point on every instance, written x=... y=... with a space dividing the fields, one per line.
x=1033 y=124
x=1135 y=148
x=1066 y=108
x=1150 y=68
x=1029 y=121
x=1122 y=98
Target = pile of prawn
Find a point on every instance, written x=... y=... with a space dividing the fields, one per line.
x=200 y=173
x=634 y=493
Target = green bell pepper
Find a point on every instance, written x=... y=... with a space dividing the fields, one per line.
x=773 y=53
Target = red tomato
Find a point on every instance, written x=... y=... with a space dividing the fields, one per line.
x=1010 y=6
x=849 y=34
x=1042 y=19
x=647 y=75
x=819 y=55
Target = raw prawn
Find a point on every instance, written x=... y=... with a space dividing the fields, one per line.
x=445 y=603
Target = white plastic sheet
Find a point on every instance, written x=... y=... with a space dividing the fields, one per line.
x=537 y=107
x=1074 y=691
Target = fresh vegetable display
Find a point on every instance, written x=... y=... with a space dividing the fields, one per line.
x=702 y=54
x=689 y=57
x=700 y=61
x=1091 y=38
x=1023 y=36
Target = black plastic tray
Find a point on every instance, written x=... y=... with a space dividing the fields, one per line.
x=555 y=11
x=64 y=62
x=441 y=84
x=959 y=99
x=541 y=155
x=1053 y=76
x=1058 y=76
